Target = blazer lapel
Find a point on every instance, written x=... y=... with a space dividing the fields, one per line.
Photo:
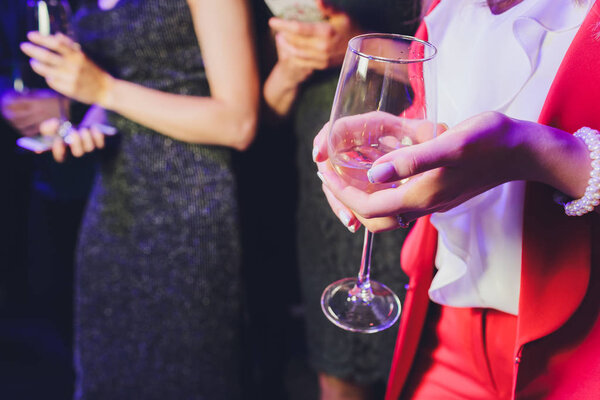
x=556 y=258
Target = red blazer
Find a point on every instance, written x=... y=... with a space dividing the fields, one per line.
x=557 y=354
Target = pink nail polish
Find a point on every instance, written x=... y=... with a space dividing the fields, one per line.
x=381 y=172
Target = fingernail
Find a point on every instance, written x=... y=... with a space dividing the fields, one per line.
x=345 y=218
x=315 y=153
x=380 y=172
x=321 y=177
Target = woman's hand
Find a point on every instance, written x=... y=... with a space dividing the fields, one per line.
x=26 y=111
x=315 y=45
x=472 y=157
x=302 y=48
x=66 y=68
x=80 y=141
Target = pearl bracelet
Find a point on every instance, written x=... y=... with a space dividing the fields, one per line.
x=591 y=198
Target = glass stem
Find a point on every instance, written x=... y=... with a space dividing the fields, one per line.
x=63 y=106
x=363 y=283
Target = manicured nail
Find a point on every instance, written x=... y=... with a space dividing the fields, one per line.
x=345 y=218
x=321 y=177
x=380 y=172
x=315 y=153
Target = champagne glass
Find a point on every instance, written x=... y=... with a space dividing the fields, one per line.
x=385 y=99
x=46 y=17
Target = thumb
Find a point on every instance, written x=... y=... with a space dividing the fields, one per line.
x=49 y=127
x=413 y=160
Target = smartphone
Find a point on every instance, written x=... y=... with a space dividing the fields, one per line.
x=39 y=144
x=299 y=10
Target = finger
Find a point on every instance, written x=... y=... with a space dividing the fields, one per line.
x=351 y=196
x=344 y=214
x=75 y=144
x=16 y=104
x=377 y=225
x=25 y=122
x=20 y=119
x=41 y=54
x=41 y=69
x=412 y=160
x=58 y=77
x=97 y=137
x=311 y=65
x=29 y=131
x=311 y=55
x=59 y=149
x=319 y=152
x=68 y=42
x=350 y=218
x=58 y=43
x=87 y=143
x=317 y=40
x=49 y=127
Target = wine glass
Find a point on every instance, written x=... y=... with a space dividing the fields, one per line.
x=46 y=17
x=385 y=99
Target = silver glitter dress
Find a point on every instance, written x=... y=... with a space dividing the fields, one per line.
x=157 y=310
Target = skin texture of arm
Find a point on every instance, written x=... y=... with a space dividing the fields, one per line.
x=472 y=157
x=228 y=117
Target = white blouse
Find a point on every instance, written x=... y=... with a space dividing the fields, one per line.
x=502 y=63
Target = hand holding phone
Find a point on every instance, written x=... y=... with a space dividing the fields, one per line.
x=40 y=144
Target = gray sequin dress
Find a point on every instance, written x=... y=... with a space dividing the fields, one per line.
x=157 y=301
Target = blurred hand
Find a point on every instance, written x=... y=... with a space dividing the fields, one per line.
x=66 y=68
x=26 y=111
x=80 y=140
x=314 y=45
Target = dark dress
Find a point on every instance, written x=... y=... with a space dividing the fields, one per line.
x=327 y=251
x=158 y=282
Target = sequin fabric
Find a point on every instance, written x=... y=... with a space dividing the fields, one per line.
x=157 y=300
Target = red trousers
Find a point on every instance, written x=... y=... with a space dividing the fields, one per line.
x=464 y=354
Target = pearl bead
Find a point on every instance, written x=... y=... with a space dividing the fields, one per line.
x=591 y=198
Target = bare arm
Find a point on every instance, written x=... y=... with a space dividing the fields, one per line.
x=228 y=117
x=472 y=157
x=303 y=47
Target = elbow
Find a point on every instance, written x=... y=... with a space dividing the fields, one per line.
x=245 y=132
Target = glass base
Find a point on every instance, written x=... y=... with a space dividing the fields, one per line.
x=360 y=310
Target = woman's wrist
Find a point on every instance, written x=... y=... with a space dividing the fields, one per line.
x=279 y=90
x=559 y=159
x=288 y=78
x=106 y=93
